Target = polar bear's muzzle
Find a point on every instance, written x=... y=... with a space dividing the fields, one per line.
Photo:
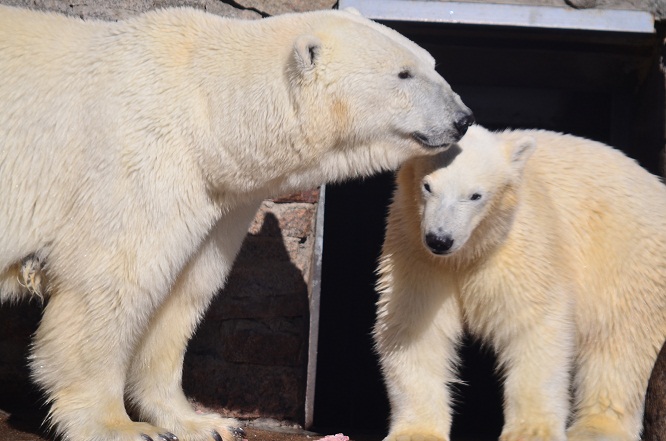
x=439 y=244
x=443 y=138
x=462 y=122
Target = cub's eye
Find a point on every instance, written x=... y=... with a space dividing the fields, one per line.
x=426 y=187
x=475 y=197
x=404 y=74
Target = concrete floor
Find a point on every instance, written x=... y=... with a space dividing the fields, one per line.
x=27 y=428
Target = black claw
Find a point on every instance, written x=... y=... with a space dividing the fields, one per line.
x=216 y=436
x=238 y=432
x=168 y=436
x=146 y=437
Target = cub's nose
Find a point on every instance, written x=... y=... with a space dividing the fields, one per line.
x=438 y=244
x=463 y=121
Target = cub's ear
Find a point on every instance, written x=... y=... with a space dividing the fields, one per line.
x=521 y=150
x=307 y=49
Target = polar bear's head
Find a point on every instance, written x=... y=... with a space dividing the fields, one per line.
x=468 y=194
x=316 y=97
x=376 y=91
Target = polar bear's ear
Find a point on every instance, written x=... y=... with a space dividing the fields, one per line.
x=521 y=150
x=306 y=51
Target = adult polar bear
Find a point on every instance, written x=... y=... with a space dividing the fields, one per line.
x=133 y=156
x=548 y=247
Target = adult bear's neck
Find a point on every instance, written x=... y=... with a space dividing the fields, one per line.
x=254 y=136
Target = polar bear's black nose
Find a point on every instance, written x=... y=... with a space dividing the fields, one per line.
x=438 y=244
x=463 y=121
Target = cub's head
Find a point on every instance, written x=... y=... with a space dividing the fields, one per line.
x=377 y=89
x=467 y=196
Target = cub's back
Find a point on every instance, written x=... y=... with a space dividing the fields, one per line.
x=581 y=173
x=610 y=212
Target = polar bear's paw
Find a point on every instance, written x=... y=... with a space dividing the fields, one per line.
x=415 y=436
x=128 y=431
x=207 y=427
x=599 y=428
x=532 y=432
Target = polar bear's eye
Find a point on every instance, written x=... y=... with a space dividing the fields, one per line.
x=404 y=74
x=426 y=187
x=475 y=197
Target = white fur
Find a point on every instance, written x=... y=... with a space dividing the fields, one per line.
x=133 y=156
x=559 y=266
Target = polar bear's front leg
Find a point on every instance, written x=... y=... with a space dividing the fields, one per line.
x=80 y=355
x=417 y=332
x=612 y=372
x=154 y=384
x=536 y=357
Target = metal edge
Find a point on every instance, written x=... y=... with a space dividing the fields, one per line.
x=609 y=20
x=315 y=296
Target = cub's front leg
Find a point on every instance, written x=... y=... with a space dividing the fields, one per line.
x=417 y=332
x=535 y=349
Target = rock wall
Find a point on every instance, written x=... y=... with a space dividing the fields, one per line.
x=654 y=423
x=249 y=357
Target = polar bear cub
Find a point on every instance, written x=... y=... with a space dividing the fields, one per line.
x=133 y=156
x=548 y=247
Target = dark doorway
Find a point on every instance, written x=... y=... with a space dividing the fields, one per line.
x=349 y=385
x=602 y=86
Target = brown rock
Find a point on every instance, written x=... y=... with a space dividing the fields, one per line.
x=265 y=280
x=263 y=346
x=114 y=10
x=245 y=391
x=275 y=7
x=292 y=220
x=582 y=4
x=308 y=197
x=258 y=250
x=281 y=305
x=654 y=422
